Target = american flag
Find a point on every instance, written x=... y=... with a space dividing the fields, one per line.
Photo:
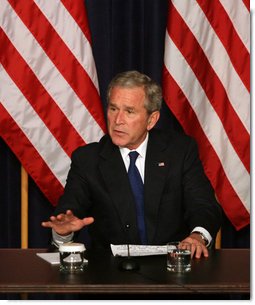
x=206 y=84
x=49 y=95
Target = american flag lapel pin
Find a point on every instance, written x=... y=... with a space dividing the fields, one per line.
x=161 y=164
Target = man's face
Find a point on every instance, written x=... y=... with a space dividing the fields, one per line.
x=128 y=120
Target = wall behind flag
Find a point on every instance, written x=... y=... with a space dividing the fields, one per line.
x=125 y=35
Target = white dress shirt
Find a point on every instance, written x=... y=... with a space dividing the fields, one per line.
x=140 y=161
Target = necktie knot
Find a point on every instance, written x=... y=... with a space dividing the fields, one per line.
x=133 y=156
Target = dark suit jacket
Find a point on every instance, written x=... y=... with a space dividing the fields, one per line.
x=178 y=196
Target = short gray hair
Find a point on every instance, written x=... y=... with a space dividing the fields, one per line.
x=132 y=79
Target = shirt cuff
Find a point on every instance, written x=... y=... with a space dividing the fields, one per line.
x=59 y=239
x=206 y=234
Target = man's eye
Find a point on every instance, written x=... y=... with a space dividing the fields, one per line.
x=129 y=111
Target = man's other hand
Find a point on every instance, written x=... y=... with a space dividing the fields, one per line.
x=66 y=223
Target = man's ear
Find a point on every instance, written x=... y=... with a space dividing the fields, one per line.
x=153 y=118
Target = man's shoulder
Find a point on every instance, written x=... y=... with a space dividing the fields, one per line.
x=170 y=136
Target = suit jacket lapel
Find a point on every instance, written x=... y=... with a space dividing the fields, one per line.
x=115 y=176
x=156 y=165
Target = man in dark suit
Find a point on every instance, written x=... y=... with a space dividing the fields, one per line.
x=178 y=202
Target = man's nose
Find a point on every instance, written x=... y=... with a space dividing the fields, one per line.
x=119 y=119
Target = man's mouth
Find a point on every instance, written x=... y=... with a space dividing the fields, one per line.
x=118 y=132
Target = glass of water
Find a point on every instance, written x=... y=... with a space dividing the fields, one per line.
x=179 y=257
x=72 y=257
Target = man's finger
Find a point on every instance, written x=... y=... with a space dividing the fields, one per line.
x=47 y=224
x=88 y=220
x=193 y=250
x=69 y=213
x=198 y=251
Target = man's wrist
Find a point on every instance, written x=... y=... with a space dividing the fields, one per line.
x=202 y=237
x=60 y=239
x=205 y=233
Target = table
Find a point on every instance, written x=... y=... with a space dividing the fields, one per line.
x=225 y=271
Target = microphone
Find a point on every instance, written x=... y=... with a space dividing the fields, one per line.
x=128 y=264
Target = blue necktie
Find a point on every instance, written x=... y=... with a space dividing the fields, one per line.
x=138 y=192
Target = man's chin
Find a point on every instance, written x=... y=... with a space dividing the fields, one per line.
x=119 y=142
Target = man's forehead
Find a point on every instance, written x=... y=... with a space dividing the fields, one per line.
x=123 y=93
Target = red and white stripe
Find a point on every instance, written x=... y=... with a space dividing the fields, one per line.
x=206 y=84
x=49 y=96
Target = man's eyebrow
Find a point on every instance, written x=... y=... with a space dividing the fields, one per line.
x=112 y=104
x=129 y=107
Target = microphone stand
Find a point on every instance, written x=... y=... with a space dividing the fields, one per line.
x=129 y=264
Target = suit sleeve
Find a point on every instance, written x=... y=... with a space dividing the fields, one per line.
x=201 y=206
